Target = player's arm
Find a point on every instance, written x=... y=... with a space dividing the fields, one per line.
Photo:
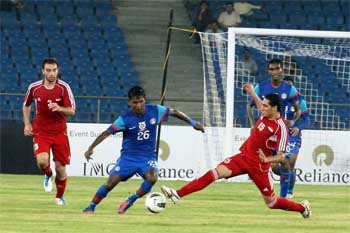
x=250 y=114
x=26 y=119
x=294 y=98
x=117 y=126
x=250 y=90
x=303 y=122
x=68 y=106
x=182 y=116
x=250 y=105
x=279 y=157
x=282 y=141
x=68 y=111
x=97 y=141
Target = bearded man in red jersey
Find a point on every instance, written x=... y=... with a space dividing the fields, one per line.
x=54 y=101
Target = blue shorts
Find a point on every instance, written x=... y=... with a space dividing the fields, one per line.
x=293 y=146
x=127 y=166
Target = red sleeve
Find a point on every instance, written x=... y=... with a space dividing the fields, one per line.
x=282 y=136
x=68 y=97
x=28 y=98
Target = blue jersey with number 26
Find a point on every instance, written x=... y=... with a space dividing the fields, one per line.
x=139 y=132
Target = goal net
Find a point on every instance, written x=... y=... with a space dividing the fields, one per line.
x=317 y=61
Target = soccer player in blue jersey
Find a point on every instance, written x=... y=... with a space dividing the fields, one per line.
x=276 y=84
x=286 y=168
x=139 y=127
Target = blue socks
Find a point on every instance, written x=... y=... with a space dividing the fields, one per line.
x=100 y=194
x=291 y=183
x=146 y=187
x=284 y=183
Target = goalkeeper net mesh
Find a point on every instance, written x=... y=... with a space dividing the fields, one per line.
x=320 y=69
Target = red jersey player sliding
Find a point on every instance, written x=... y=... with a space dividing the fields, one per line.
x=54 y=101
x=255 y=158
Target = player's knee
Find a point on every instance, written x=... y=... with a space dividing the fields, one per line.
x=109 y=186
x=153 y=179
x=221 y=172
x=42 y=164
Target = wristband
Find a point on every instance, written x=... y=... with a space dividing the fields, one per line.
x=193 y=122
x=292 y=122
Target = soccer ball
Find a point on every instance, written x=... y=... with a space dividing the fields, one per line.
x=155 y=202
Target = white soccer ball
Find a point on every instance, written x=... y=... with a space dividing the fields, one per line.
x=155 y=202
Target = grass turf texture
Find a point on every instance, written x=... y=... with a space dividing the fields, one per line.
x=221 y=207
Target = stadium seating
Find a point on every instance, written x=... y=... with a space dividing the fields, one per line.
x=311 y=15
x=85 y=39
x=94 y=58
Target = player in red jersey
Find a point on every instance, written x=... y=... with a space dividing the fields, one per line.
x=255 y=158
x=54 y=101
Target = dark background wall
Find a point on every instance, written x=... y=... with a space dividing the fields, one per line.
x=17 y=155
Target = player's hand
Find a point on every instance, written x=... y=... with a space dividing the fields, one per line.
x=288 y=123
x=28 y=131
x=262 y=156
x=294 y=131
x=88 y=154
x=199 y=126
x=54 y=107
x=248 y=88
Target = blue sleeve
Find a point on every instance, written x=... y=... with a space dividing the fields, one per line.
x=305 y=120
x=293 y=95
x=257 y=90
x=118 y=125
x=163 y=113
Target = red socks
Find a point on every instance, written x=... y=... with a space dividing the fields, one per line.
x=198 y=184
x=286 y=204
x=47 y=170
x=60 y=187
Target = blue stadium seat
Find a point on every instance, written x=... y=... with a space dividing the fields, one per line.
x=309 y=6
x=64 y=10
x=84 y=117
x=69 y=20
x=8 y=18
x=28 y=18
x=6 y=114
x=92 y=30
x=106 y=117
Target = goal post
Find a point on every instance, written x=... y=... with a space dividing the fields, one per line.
x=224 y=74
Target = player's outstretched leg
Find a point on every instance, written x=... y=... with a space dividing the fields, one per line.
x=284 y=204
x=193 y=186
x=146 y=187
x=97 y=198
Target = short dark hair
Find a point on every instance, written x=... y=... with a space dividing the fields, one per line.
x=49 y=60
x=276 y=61
x=275 y=100
x=288 y=78
x=136 y=91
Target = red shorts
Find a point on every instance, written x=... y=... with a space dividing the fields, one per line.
x=239 y=165
x=58 y=143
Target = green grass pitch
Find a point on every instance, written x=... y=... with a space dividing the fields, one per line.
x=221 y=207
